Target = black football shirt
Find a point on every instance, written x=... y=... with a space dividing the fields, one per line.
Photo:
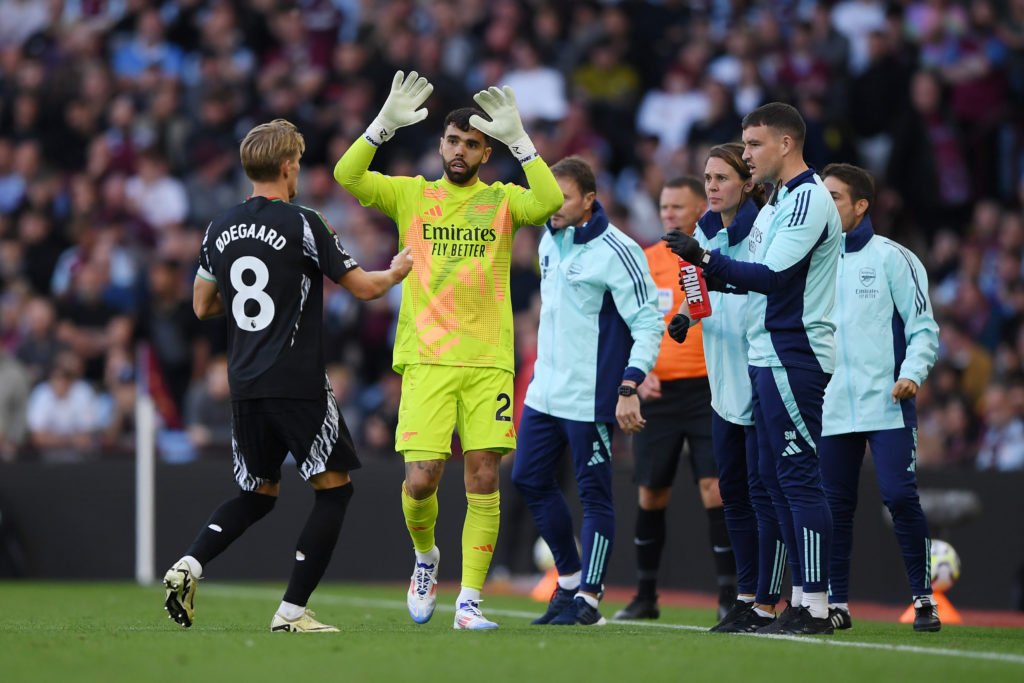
x=268 y=258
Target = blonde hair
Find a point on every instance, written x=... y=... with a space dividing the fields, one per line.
x=267 y=146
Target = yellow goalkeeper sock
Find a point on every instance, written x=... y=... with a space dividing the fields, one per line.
x=479 y=536
x=420 y=518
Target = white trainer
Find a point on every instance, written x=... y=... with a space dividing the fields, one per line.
x=304 y=624
x=469 y=617
x=422 y=596
x=181 y=593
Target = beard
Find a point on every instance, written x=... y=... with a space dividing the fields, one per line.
x=560 y=221
x=459 y=177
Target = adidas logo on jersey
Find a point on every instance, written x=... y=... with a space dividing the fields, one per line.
x=791 y=449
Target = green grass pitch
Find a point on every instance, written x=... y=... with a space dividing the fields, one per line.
x=119 y=632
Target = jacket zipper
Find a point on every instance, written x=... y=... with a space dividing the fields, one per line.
x=849 y=383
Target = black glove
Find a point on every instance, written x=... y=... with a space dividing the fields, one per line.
x=685 y=247
x=715 y=284
x=678 y=326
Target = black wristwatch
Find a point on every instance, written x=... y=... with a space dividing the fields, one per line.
x=627 y=390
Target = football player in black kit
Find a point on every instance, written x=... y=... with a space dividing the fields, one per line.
x=262 y=264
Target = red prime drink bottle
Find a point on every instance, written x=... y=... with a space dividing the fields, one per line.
x=695 y=289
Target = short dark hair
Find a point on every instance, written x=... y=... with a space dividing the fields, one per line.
x=860 y=182
x=692 y=183
x=460 y=119
x=579 y=170
x=780 y=116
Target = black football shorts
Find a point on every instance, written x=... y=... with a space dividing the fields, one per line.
x=681 y=416
x=265 y=430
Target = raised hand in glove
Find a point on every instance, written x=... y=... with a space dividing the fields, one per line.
x=401 y=108
x=678 y=326
x=686 y=247
x=505 y=124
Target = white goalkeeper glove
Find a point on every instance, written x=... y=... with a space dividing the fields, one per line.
x=401 y=107
x=505 y=124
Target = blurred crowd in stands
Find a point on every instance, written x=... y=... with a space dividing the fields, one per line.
x=119 y=129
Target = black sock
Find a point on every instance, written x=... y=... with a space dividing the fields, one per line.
x=650 y=540
x=228 y=522
x=725 y=560
x=316 y=542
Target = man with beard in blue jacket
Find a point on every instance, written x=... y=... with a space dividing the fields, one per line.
x=599 y=336
x=886 y=342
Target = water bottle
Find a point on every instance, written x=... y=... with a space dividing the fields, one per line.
x=695 y=289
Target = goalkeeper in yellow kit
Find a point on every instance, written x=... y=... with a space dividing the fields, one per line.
x=454 y=341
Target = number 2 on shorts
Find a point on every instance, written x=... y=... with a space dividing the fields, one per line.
x=504 y=402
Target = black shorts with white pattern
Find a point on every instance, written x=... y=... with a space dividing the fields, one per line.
x=265 y=430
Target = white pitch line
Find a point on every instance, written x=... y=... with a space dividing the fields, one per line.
x=269 y=593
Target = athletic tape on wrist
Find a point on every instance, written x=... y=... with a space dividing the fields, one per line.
x=523 y=150
x=379 y=132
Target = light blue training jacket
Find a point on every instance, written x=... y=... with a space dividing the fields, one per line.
x=725 y=336
x=885 y=331
x=790 y=276
x=599 y=321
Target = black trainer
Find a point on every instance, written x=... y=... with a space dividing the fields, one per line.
x=742 y=619
x=926 y=614
x=738 y=609
x=640 y=608
x=726 y=598
x=803 y=623
x=560 y=599
x=579 y=612
x=840 y=619
x=778 y=623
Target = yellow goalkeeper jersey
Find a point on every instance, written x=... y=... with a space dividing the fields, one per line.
x=455 y=303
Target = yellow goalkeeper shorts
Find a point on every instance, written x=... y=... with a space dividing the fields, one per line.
x=437 y=399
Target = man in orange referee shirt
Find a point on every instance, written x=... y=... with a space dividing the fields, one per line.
x=677 y=406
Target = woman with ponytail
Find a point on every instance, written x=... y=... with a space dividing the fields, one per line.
x=733 y=204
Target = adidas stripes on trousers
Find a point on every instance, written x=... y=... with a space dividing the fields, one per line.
x=787 y=404
x=542 y=442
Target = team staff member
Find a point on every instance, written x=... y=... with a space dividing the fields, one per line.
x=676 y=402
x=734 y=203
x=598 y=337
x=263 y=263
x=790 y=277
x=886 y=342
x=454 y=344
